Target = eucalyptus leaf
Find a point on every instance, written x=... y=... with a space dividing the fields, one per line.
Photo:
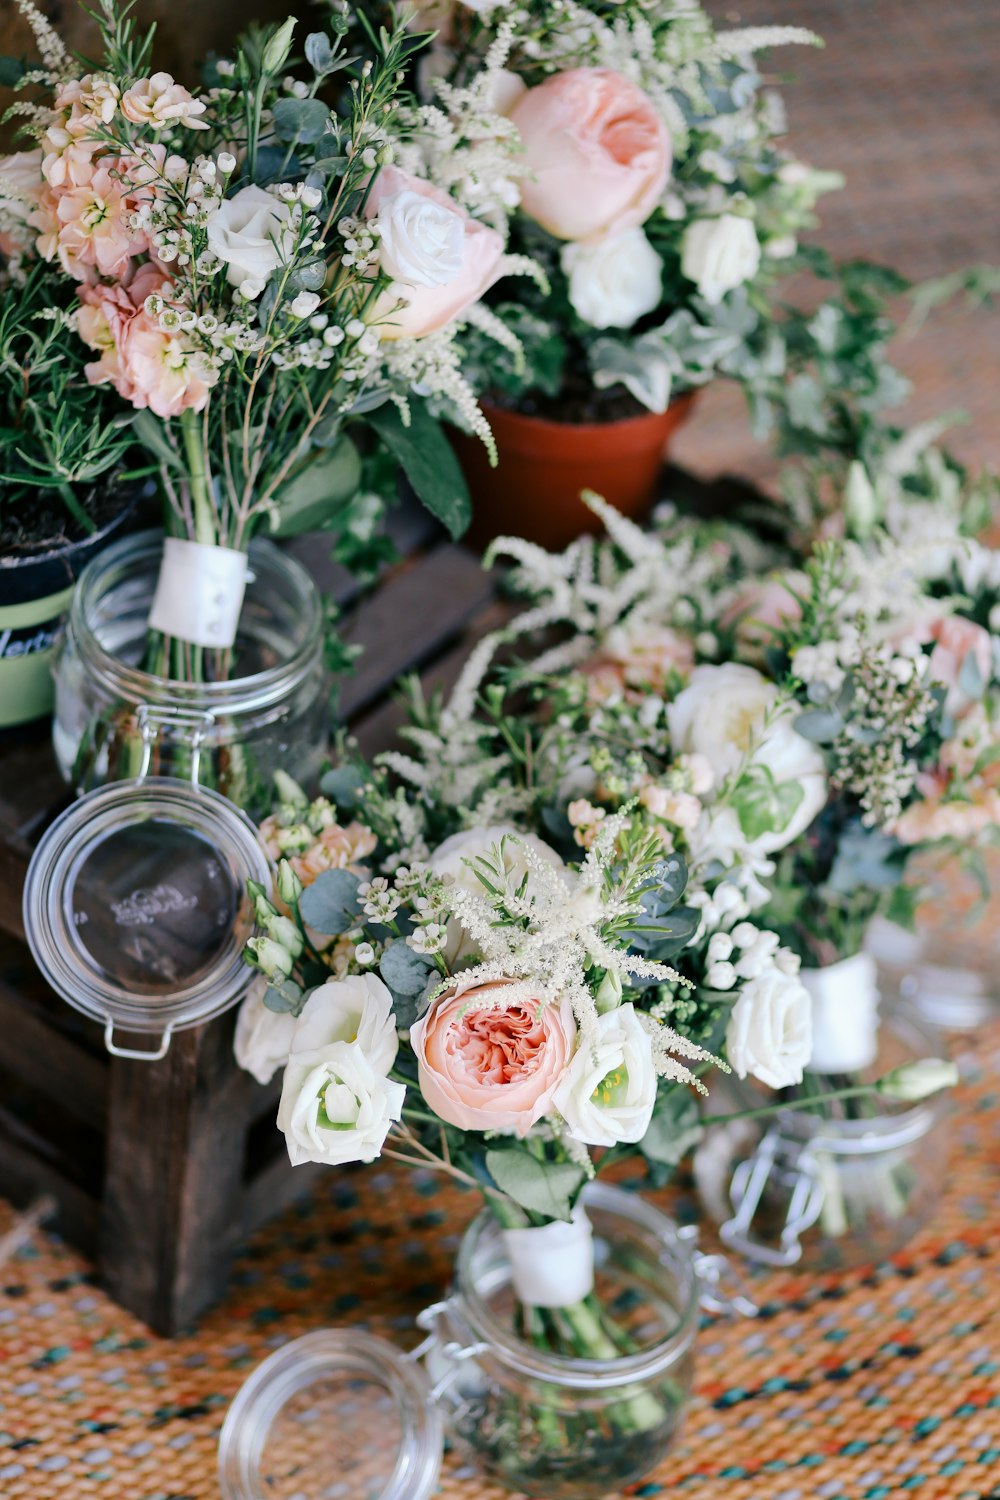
x=342 y=785
x=319 y=53
x=404 y=971
x=309 y=276
x=330 y=904
x=821 y=725
x=302 y=120
x=428 y=460
x=971 y=681
x=546 y=1188
x=284 y=998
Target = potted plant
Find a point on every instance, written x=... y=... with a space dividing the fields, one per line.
x=654 y=194
x=63 y=490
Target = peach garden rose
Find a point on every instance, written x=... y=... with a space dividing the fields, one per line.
x=596 y=153
x=488 y=1064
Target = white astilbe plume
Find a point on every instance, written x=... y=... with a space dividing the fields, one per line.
x=750 y=39
x=541 y=935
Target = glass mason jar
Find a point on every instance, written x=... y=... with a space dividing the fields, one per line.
x=116 y=721
x=826 y=1192
x=559 y=1427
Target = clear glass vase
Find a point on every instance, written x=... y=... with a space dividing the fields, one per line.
x=825 y=1188
x=558 y=1426
x=260 y=707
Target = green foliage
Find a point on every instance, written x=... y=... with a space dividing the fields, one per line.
x=321 y=490
x=428 y=461
x=545 y=1188
x=330 y=904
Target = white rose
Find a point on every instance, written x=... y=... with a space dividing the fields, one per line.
x=423 y=242
x=263 y=1038
x=719 y=254
x=615 y=280
x=450 y=860
x=770 y=1030
x=609 y=1090
x=722 y=712
x=250 y=233
x=337 y=1104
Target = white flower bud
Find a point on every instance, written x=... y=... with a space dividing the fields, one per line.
x=304 y=305
x=916 y=1080
x=365 y=954
x=289 y=884
x=226 y=162
x=609 y=992
x=720 y=976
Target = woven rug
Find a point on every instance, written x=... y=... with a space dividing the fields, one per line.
x=876 y=1384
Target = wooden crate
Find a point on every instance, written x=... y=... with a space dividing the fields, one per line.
x=160 y=1169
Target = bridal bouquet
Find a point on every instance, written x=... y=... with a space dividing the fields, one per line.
x=257 y=281
x=652 y=189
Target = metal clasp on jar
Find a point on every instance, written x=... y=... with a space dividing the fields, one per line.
x=725 y=1292
x=795 y=1168
x=432 y=1349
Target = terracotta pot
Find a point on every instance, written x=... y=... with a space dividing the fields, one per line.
x=534 y=491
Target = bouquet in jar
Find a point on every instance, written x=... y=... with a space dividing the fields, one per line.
x=258 y=282
x=845 y=701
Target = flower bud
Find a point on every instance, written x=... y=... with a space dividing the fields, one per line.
x=262 y=909
x=288 y=790
x=284 y=931
x=289 y=884
x=609 y=993
x=226 y=163
x=270 y=957
x=277 y=50
x=917 y=1080
x=860 y=501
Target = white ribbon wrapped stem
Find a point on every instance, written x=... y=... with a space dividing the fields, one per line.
x=199 y=593
x=844 y=1014
x=552 y=1266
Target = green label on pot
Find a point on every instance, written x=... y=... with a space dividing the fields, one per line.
x=27 y=636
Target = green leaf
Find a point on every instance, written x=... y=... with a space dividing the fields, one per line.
x=342 y=785
x=971 y=682
x=546 y=1188
x=764 y=805
x=901 y=907
x=428 y=460
x=149 y=430
x=318 y=491
x=330 y=904
x=820 y=725
x=405 y=972
x=284 y=998
x=665 y=937
x=300 y=119
x=12 y=70
x=674 y=1128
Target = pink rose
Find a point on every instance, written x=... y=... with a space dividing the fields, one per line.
x=485 y=1064
x=957 y=638
x=763 y=607
x=597 y=154
x=440 y=259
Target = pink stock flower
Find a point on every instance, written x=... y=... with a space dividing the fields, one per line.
x=760 y=609
x=92 y=230
x=158 y=101
x=596 y=153
x=147 y=366
x=485 y=1064
x=637 y=657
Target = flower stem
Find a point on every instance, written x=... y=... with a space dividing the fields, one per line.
x=859 y=1091
x=204 y=524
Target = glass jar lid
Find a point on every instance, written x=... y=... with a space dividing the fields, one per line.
x=136 y=907
x=334 y=1415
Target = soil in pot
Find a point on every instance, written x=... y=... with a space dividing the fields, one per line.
x=534 y=491
x=41 y=556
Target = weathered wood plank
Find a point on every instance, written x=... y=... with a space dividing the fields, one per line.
x=27 y=1177
x=171 y=1215
x=50 y=1063
x=414 y=617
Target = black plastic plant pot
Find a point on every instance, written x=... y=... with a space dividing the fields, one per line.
x=35 y=591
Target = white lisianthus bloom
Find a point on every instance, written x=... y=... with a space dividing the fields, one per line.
x=423 y=242
x=730 y=709
x=250 y=234
x=770 y=1030
x=609 y=1089
x=615 y=280
x=337 y=1103
x=263 y=1038
x=720 y=254
x=451 y=859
